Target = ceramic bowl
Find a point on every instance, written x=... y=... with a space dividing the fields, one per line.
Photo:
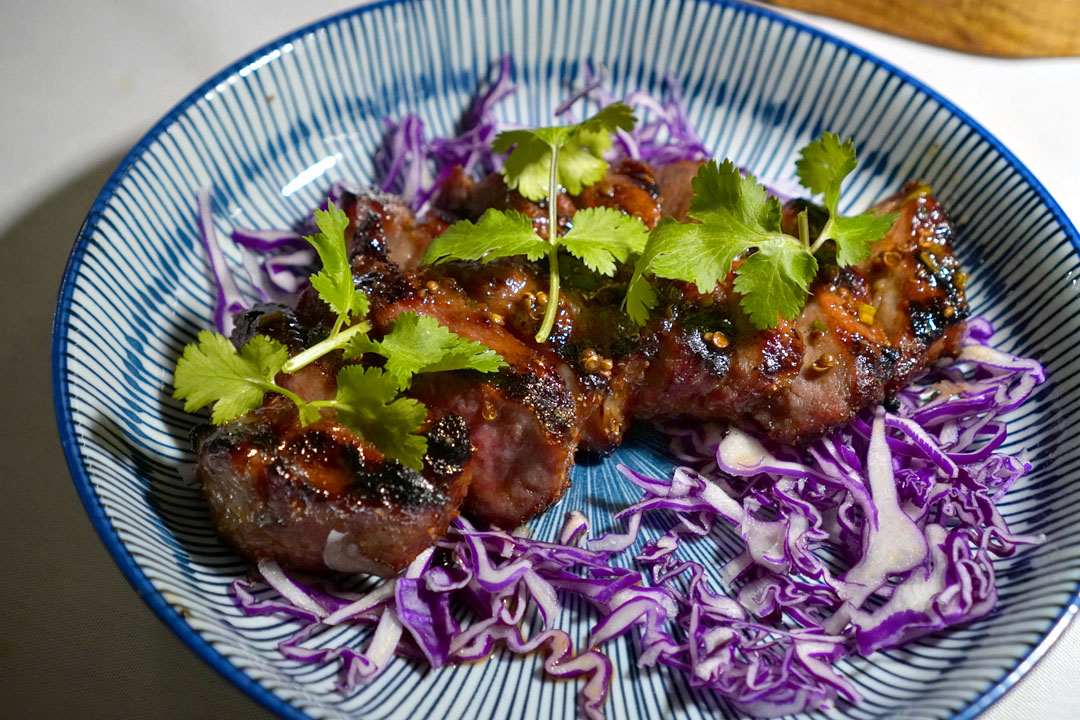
x=272 y=131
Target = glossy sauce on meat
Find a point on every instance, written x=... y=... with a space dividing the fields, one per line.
x=321 y=499
x=502 y=444
x=598 y=348
x=523 y=421
x=865 y=332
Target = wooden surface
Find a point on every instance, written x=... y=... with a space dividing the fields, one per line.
x=1005 y=28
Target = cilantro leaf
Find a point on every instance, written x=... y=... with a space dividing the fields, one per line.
x=419 y=344
x=551 y=136
x=497 y=234
x=335 y=286
x=616 y=116
x=698 y=253
x=580 y=153
x=602 y=237
x=578 y=169
x=527 y=168
x=266 y=354
x=595 y=142
x=853 y=235
x=211 y=371
x=367 y=403
x=737 y=205
x=334 y=282
x=640 y=295
x=581 y=158
x=734 y=214
x=823 y=165
x=774 y=281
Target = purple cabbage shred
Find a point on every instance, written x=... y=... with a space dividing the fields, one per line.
x=875 y=535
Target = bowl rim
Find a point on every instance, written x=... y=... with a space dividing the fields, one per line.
x=108 y=534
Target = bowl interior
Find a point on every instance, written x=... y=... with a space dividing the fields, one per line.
x=271 y=133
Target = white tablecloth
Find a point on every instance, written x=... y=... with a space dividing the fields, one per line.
x=80 y=83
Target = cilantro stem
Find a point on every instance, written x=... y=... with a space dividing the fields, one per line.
x=553 y=253
x=804 y=228
x=826 y=234
x=297 y=400
x=553 y=197
x=336 y=341
x=553 y=296
x=275 y=388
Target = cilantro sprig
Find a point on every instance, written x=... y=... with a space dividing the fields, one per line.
x=335 y=281
x=335 y=286
x=419 y=344
x=822 y=167
x=212 y=371
x=735 y=216
x=539 y=162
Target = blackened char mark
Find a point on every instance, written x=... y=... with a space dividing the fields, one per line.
x=939 y=269
x=448 y=445
x=319 y=498
x=395 y=484
x=383 y=482
x=546 y=395
x=277 y=322
x=927 y=322
x=384 y=282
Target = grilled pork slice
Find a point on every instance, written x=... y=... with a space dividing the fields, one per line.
x=884 y=321
x=319 y=498
x=597 y=347
x=866 y=331
x=523 y=421
x=593 y=344
x=502 y=444
x=674 y=188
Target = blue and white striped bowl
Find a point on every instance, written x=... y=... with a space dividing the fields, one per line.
x=272 y=131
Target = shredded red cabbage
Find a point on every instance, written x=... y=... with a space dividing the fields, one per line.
x=229 y=300
x=870 y=537
x=664 y=134
x=276 y=263
x=416 y=168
